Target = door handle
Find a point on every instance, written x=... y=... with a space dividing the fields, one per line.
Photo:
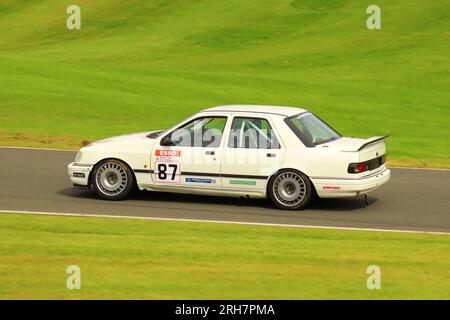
x=211 y=153
x=271 y=155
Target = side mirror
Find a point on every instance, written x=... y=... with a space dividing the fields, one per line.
x=167 y=141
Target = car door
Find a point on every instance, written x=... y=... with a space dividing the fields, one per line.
x=251 y=154
x=189 y=156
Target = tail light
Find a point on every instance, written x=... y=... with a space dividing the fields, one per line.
x=366 y=165
x=358 y=167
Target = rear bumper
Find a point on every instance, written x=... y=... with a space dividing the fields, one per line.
x=79 y=173
x=341 y=188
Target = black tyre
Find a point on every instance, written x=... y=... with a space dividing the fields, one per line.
x=112 y=179
x=290 y=189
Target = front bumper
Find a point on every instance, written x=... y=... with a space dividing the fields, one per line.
x=340 y=188
x=79 y=173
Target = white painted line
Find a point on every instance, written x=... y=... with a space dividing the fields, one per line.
x=39 y=149
x=216 y=221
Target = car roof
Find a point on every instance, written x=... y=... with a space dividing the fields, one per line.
x=279 y=110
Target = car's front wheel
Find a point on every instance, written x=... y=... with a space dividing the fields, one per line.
x=290 y=189
x=112 y=179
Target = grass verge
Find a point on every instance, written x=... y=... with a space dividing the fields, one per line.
x=136 y=259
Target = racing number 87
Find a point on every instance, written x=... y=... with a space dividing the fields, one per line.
x=166 y=171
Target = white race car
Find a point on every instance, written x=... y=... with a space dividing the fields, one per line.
x=285 y=153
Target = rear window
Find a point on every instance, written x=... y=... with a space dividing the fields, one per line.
x=311 y=130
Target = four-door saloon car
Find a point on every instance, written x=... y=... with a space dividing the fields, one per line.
x=284 y=153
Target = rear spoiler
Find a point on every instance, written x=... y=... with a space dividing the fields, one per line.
x=372 y=141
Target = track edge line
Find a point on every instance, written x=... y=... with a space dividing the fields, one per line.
x=69 y=214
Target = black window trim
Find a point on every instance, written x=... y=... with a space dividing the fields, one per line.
x=302 y=137
x=192 y=120
x=252 y=117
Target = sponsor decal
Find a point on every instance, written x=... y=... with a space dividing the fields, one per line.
x=200 y=180
x=243 y=182
x=168 y=166
x=79 y=175
x=331 y=188
x=168 y=153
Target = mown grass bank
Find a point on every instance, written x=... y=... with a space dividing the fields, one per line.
x=136 y=259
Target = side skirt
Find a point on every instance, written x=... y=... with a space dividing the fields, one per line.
x=203 y=191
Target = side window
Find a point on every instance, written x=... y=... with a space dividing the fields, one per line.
x=201 y=132
x=252 y=133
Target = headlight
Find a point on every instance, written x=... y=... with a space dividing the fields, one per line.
x=78 y=157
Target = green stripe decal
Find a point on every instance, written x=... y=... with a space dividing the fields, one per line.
x=245 y=182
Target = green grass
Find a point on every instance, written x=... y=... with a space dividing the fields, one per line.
x=145 y=65
x=137 y=259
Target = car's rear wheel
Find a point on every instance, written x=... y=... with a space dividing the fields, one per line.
x=290 y=189
x=112 y=179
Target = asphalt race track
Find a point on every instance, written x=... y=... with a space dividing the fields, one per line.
x=416 y=200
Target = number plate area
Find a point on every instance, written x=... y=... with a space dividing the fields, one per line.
x=167 y=166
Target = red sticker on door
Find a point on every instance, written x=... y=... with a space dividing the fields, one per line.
x=168 y=153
